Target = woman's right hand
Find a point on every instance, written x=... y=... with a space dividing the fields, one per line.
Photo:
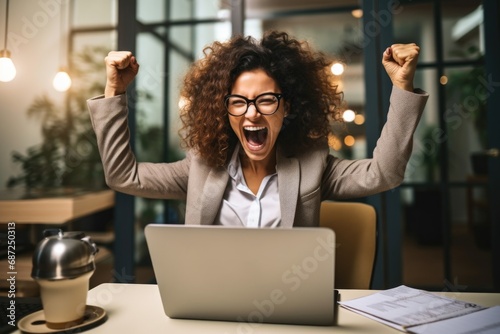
x=121 y=69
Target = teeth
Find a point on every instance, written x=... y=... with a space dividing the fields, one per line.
x=254 y=128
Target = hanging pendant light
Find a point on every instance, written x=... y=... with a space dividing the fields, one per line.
x=62 y=80
x=7 y=68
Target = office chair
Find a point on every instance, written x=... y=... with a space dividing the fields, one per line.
x=355 y=232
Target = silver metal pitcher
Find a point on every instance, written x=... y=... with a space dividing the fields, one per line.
x=63 y=263
x=63 y=255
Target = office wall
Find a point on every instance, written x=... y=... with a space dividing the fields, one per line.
x=38 y=40
x=33 y=40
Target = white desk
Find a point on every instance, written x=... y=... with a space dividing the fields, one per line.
x=136 y=308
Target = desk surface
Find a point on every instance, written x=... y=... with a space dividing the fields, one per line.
x=137 y=308
x=56 y=207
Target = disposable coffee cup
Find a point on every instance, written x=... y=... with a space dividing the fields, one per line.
x=64 y=301
x=62 y=266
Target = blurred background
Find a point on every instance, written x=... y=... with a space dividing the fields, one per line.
x=438 y=231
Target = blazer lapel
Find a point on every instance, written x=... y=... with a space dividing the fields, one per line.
x=208 y=203
x=288 y=182
x=213 y=192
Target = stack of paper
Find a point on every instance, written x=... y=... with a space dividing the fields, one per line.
x=422 y=312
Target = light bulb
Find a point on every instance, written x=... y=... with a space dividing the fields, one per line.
x=62 y=81
x=359 y=119
x=349 y=115
x=357 y=13
x=349 y=140
x=337 y=69
x=7 y=68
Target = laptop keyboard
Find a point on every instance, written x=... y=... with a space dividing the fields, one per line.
x=24 y=306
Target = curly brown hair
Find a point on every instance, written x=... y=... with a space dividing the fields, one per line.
x=299 y=71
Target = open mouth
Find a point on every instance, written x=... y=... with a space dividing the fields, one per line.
x=255 y=135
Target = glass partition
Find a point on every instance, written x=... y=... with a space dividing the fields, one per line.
x=337 y=33
x=444 y=194
x=446 y=172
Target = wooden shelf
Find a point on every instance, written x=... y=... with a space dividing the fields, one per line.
x=59 y=208
x=55 y=207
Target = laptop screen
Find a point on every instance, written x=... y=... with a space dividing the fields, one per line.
x=244 y=274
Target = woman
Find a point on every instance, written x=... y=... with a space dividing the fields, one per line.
x=255 y=125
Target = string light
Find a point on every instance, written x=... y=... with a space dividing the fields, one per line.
x=349 y=140
x=348 y=115
x=357 y=13
x=334 y=142
x=359 y=119
x=337 y=68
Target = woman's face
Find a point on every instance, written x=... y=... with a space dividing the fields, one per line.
x=257 y=133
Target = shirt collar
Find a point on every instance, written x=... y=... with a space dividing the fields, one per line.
x=234 y=166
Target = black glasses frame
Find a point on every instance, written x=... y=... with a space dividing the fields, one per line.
x=248 y=101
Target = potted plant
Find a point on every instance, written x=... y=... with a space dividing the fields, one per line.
x=68 y=155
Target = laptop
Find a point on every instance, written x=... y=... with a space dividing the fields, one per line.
x=250 y=275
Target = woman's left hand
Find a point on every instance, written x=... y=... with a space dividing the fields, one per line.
x=400 y=62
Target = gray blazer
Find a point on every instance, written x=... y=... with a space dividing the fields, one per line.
x=304 y=180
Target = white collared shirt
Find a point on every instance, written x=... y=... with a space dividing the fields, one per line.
x=240 y=207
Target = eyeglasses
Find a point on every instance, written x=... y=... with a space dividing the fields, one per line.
x=265 y=104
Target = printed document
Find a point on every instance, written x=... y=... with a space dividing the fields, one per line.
x=403 y=307
x=486 y=321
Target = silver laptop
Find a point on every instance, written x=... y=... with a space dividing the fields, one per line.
x=247 y=275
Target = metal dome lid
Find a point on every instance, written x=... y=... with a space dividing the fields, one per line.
x=63 y=255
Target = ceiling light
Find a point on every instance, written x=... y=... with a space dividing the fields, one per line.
x=7 y=68
x=62 y=80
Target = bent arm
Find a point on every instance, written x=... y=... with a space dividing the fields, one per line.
x=357 y=178
x=109 y=117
